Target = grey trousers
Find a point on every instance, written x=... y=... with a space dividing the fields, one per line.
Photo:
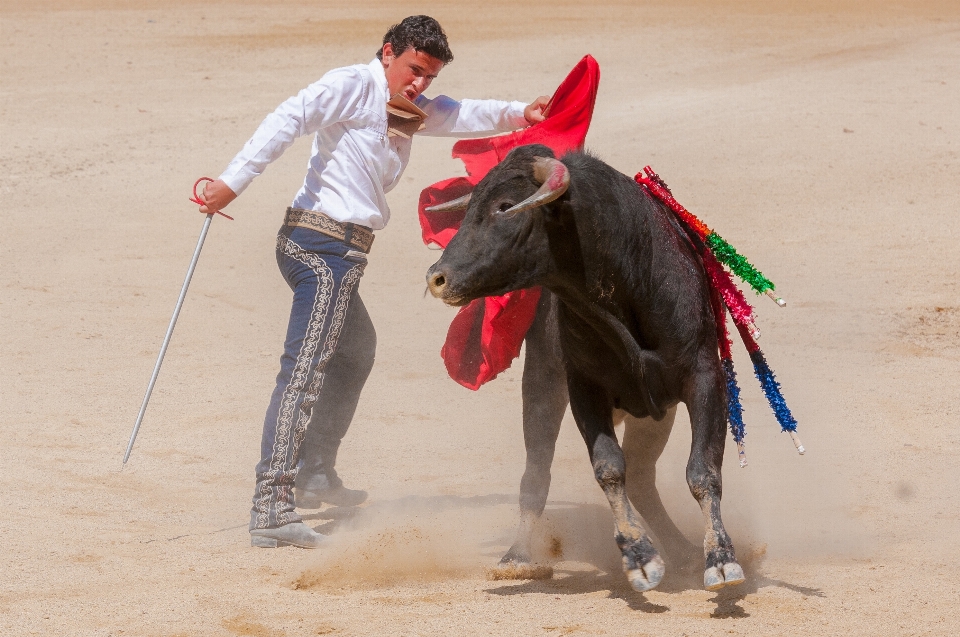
x=346 y=374
x=328 y=354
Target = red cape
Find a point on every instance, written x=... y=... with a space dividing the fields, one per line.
x=486 y=335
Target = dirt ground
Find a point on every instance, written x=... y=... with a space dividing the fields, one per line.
x=820 y=138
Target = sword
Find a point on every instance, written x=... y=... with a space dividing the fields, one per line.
x=176 y=312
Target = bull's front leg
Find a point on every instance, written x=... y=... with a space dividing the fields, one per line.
x=707 y=407
x=544 y=402
x=593 y=412
x=542 y=415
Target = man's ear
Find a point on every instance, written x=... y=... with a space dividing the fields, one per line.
x=388 y=55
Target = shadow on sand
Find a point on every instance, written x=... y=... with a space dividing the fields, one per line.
x=580 y=535
x=590 y=525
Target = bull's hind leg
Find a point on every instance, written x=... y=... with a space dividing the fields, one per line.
x=708 y=422
x=644 y=439
x=593 y=412
x=544 y=401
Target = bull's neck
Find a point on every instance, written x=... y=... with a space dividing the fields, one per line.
x=613 y=259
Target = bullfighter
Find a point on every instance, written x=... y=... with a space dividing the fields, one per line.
x=363 y=118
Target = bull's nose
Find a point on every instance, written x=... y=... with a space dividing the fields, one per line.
x=437 y=282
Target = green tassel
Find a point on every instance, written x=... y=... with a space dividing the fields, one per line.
x=729 y=256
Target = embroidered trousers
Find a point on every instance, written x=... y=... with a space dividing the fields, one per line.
x=328 y=354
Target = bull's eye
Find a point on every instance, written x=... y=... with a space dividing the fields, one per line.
x=506 y=205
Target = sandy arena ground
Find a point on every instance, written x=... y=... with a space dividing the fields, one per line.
x=821 y=138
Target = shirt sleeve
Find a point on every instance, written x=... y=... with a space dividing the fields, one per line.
x=447 y=117
x=331 y=99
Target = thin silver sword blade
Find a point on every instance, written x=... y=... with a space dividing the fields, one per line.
x=166 y=339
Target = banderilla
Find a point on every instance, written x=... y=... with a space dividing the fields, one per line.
x=176 y=312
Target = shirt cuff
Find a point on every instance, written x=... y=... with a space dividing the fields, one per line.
x=515 y=115
x=237 y=180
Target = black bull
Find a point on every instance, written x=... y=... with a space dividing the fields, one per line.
x=635 y=328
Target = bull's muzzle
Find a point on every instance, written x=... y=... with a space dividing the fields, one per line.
x=437 y=283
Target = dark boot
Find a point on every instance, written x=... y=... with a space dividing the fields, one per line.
x=338 y=496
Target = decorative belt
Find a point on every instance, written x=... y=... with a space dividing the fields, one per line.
x=357 y=236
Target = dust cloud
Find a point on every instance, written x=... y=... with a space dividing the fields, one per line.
x=792 y=506
x=781 y=505
x=411 y=539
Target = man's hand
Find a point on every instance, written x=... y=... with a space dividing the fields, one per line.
x=218 y=195
x=536 y=111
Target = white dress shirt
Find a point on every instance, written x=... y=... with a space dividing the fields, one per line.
x=354 y=162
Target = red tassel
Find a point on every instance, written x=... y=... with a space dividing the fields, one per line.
x=722 y=282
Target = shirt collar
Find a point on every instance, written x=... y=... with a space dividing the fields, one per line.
x=376 y=69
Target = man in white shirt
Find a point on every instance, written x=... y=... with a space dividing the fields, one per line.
x=360 y=149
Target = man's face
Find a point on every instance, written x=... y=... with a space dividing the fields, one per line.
x=409 y=73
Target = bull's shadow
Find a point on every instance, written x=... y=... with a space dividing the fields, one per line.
x=578 y=539
x=583 y=534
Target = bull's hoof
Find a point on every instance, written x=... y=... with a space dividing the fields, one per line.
x=647 y=576
x=716 y=577
x=642 y=564
x=509 y=569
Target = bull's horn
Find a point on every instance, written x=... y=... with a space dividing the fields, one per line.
x=554 y=180
x=460 y=203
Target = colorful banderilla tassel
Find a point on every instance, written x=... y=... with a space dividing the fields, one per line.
x=771 y=388
x=724 y=297
x=734 y=408
x=723 y=251
x=722 y=283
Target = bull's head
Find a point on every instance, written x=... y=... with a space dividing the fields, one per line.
x=503 y=242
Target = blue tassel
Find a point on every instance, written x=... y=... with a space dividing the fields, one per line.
x=772 y=390
x=734 y=408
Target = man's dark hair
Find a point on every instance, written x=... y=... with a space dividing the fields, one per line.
x=421 y=32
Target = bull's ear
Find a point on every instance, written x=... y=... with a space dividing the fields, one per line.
x=554 y=180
